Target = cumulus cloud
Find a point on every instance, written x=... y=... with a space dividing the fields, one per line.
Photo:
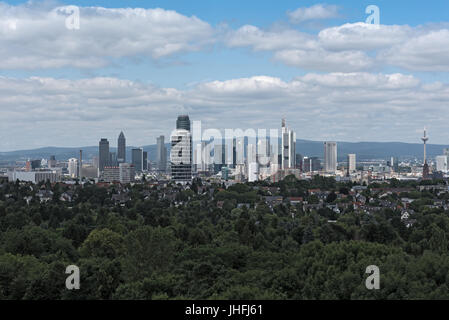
x=36 y=37
x=268 y=40
x=363 y=36
x=322 y=60
x=316 y=12
x=33 y=37
x=346 y=106
x=352 y=47
x=423 y=52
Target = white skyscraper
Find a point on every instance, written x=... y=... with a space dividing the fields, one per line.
x=288 y=146
x=441 y=163
x=73 y=167
x=330 y=157
x=351 y=163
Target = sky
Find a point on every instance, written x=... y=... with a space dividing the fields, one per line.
x=136 y=65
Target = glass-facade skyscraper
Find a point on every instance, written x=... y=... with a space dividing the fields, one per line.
x=181 y=151
x=161 y=154
x=103 y=154
x=137 y=159
x=183 y=122
x=121 y=148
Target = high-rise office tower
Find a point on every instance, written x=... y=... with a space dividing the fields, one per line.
x=145 y=161
x=219 y=156
x=394 y=164
x=137 y=159
x=80 y=165
x=299 y=161
x=351 y=163
x=113 y=159
x=73 y=167
x=121 y=148
x=183 y=122
x=181 y=151
x=103 y=154
x=441 y=163
x=288 y=147
x=161 y=155
x=330 y=157
x=446 y=153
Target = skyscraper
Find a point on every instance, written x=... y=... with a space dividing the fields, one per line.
x=145 y=161
x=330 y=157
x=137 y=159
x=288 y=147
x=351 y=163
x=183 y=122
x=394 y=164
x=103 y=154
x=219 y=156
x=73 y=167
x=113 y=159
x=181 y=151
x=121 y=148
x=80 y=165
x=161 y=154
x=441 y=163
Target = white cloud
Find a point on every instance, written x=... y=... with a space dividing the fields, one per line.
x=268 y=40
x=352 y=47
x=318 y=11
x=346 y=106
x=363 y=36
x=298 y=49
x=423 y=52
x=322 y=60
x=33 y=38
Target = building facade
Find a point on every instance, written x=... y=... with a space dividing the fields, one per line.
x=181 y=156
x=126 y=173
x=288 y=145
x=137 y=159
x=103 y=159
x=352 y=166
x=161 y=154
x=121 y=148
x=330 y=157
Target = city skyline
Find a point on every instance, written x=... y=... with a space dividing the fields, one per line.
x=330 y=74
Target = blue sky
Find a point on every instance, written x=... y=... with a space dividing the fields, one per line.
x=237 y=64
x=220 y=63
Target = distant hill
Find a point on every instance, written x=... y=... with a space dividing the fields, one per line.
x=371 y=150
x=62 y=153
x=363 y=150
